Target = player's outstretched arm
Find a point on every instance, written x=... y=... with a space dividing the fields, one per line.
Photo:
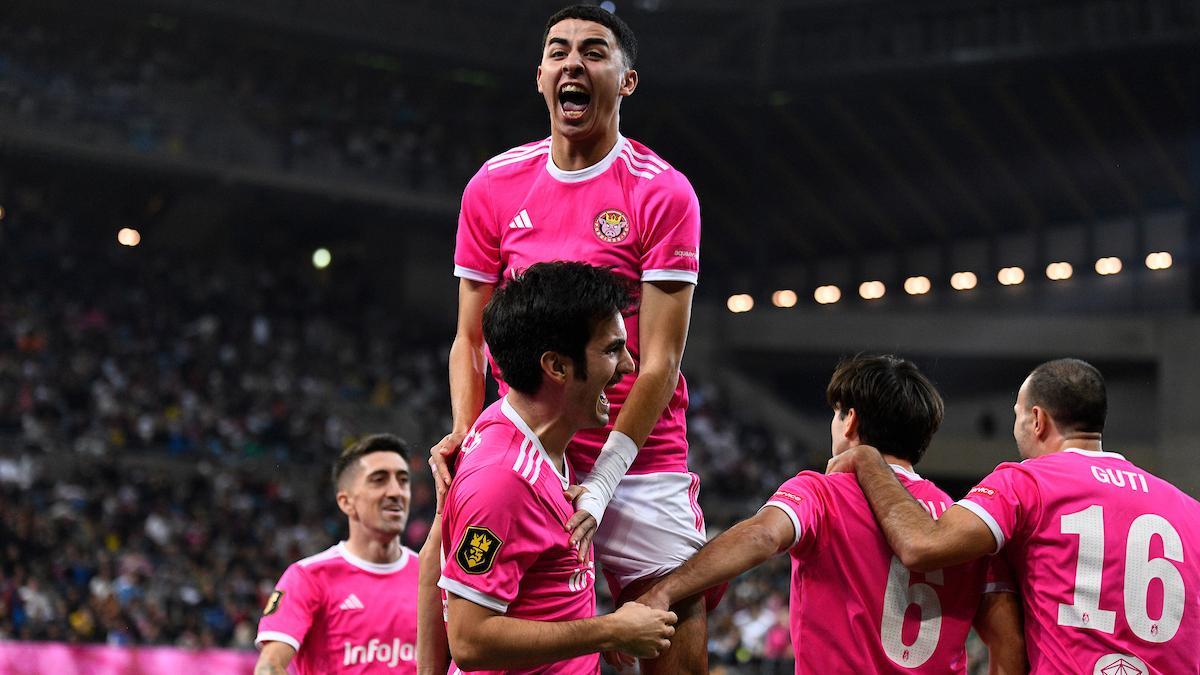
x=920 y=542
x=737 y=550
x=998 y=623
x=274 y=658
x=663 y=318
x=481 y=638
x=433 y=648
x=468 y=367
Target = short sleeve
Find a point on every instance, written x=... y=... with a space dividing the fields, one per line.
x=671 y=243
x=289 y=611
x=799 y=498
x=998 y=501
x=477 y=242
x=496 y=530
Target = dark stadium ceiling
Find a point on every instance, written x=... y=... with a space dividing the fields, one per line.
x=836 y=128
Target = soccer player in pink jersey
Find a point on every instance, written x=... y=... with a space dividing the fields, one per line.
x=588 y=193
x=519 y=598
x=1106 y=555
x=353 y=607
x=854 y=606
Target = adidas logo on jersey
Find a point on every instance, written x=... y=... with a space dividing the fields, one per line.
x=352 y=602
x=521 y=222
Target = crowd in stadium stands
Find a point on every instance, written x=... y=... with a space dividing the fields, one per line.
x=165 y=435
x=165 y=89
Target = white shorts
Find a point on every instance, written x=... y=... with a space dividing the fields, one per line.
x=652 y=525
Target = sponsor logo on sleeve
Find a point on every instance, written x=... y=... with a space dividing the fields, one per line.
x=611 y=226
x=784 y=494
x=477 y=550
x=982 y=490
x=273 y=603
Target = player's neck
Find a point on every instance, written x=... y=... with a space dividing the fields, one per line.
x=896 y=461
x=575 y=154
x=374 y=549
x=1081 y=441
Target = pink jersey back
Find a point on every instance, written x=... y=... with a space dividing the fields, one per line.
x=631 y=211
x=854 y=607
x=1107 y=557
x=504 y=532
x=343 y=614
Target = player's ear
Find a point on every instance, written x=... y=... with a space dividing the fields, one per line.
x=555 y=366
x=1041 y=422
x=629 y=82
x=344 y=503
x=850 y=426
x=538 y=79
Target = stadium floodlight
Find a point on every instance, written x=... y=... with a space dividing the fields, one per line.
x=321 y=258
x=128 y=236
x=1159 y=261
x=739 y=303
x=1011 y=276
x=1059 y=271
x=827 y=295
x=918 y=285
x=1109 y=265
x=963 y=281
x=871 y=290
x=784 y=298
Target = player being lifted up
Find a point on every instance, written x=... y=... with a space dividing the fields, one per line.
x=519 y=598
x=1104 y=553
x=589 y=194
x=853 y=605
x=351 y=608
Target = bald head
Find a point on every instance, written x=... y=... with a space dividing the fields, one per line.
x=1072 y=392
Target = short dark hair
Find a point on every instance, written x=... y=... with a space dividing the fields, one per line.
x=899 y=410
x=550 y=307
x=1072 y=392
x=365 y=446
x=624 y=34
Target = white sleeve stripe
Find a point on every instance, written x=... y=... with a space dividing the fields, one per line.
x=475 y=275
x=276 y=636
x=791 y=514
x=467 y=593
x=999 y=587
x=987 y=520
x=670 y=275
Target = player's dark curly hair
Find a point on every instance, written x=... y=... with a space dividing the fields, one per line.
x=551 y=307
x=365 y=446
x=899 y=410
x=1072 y=392
x=624 y=34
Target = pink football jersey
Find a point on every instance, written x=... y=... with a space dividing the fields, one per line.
x=1107 y=558
x=504 y=532
x=631 y=211
x=343 y=614
x=854 y=607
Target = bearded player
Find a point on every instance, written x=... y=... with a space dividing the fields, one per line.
x=351 y=608
x=587 y=193
x=1104 y=552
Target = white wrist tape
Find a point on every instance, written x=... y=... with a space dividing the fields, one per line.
x=618 y=453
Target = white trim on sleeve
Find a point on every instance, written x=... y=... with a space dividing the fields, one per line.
x=276 y=636
x=670 y=275
x=467 y=593
x=791 y=514
x=475 y=275
x=987 y=520
x=999 y=587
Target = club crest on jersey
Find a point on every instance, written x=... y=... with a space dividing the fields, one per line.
x=273 y=603
x=611 y=226
x=477 y=550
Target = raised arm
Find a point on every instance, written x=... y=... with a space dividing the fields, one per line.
x=920 y=542
x=737 y=550
x=433 y=648
x=274 y=658
x=481 y=638
x=663 y=318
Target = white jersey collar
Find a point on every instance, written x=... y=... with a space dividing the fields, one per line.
x=378 y=568
x=1093 y=453
x=912 y=475
x=580 y=175
x=515 y=417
